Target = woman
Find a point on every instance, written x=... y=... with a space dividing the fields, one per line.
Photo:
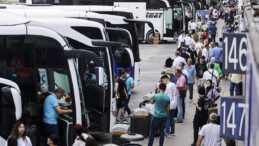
x=12 y=141
x=80 y=136
x=211 y=92
x=53 y=140
x=18 y=132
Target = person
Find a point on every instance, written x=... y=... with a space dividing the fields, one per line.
x=212 y=47
x=184 y=54
x=225 y=27
x=178 y=59
x=199 y=24
x=211 y=92
x=193 y=26
x=188 y=40
x=226 y=13
x=217 y=53
x=80 y=136
x=205 y=52
x=215 y=14
x=18 y=132
x=213 y=32
x=216 y=66
x=122 y=95
x=12 y=141
x=200 y=69
x=51 y=109
x=201 y=114
x=129 y=86
x=230 y=28
x=181 y=39
x=181 y=83
x=90 y=141
x=191 y=77
x=162 y=103
x=212 y=75
x=210 y=132
x=171 y=93
x=220 y=42
x=53 y=140
x=235 y=80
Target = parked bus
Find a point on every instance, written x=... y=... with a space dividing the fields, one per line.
x=35 y=60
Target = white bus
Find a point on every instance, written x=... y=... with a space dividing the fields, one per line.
x=35 y=60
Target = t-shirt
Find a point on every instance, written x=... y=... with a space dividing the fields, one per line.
x=178 y=60
x=22 y=142
x=50 y=114
x=188 y=40
x=121 y=88
x=208 y=76
x=171 y=92
x=181 y=81
x=205 y=53
x=203 y=102
x=211 y=134
x=180 y=40
x=200 y=69
x=129 y=80
x=213 y=30
x=236 y=78
x=161 y=101
x=193 y=25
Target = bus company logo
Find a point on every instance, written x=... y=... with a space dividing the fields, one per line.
x=153 y=15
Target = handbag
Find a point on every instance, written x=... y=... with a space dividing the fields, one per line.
x=182 y=93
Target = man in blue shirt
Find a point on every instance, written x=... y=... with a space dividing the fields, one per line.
x=217 y=52
x=191 y=77
x=129 y=85
x=51 y=111
x=162 y=107
x=213 y=32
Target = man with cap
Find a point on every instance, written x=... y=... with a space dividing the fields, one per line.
x=210 y=132
x=216 y=66
x=201 y=114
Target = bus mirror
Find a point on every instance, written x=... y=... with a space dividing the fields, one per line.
x=13 y=98
x=124 y=57
x=99 y=76
x=150 y=24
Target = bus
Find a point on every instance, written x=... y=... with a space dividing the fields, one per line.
x=100 y=102
x=35 y=60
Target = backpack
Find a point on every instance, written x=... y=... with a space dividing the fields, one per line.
x=169 y=62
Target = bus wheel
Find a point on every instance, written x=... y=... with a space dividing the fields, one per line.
x=149 y=37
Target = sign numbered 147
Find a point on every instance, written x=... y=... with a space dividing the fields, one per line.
x=234 y=53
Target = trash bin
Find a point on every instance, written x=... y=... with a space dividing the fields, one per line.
x=118 y=130
x=131 y=137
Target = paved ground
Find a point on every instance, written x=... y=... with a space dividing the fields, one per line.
x=153 y=58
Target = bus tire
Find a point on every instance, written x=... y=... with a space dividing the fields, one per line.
x=149 y=37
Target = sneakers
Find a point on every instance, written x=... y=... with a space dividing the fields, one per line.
x=167 y=135
x=118 y=121
x=125 y=121
x=173 y=134
x=190 y=100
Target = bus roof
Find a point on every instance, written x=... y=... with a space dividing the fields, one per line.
x=11 y=19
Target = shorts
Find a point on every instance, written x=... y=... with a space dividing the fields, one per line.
x=199 y=82
x=120 y=103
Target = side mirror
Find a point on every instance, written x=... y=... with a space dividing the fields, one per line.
x=99 y=76
x=124 y=57
x=12 y=96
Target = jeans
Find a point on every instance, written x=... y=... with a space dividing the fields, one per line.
x=49 y=129
x=232 y=87
x=126 y=105
x=190 y=87
x=213 y=38
x=180 y=108
x=156 y=122
x=218 y=60
x=170 y=122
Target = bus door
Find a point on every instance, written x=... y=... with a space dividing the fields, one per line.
x=168 y=18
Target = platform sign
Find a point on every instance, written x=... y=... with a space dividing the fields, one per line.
x=232 y=117
x=203 y=12
x=234 y=53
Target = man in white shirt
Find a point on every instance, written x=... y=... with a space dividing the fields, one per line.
x=178 y=59
x=193 y=26
x=211 y=74
x=188 y=40
x=210 y=132
x=205 y=52
x=181 y=39
x=171 y=92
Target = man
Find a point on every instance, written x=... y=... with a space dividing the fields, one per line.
x=184 y=54
x=201 y=114
x=181 y=39
x=129 y=85
x=210 y=132
x=235 y=80
x=188 y=40
x=191 y=77
x=212 y=47
x=200 y=69
x=51 y=110
x=215 y=14
x=178 y=59
x=205 y=52
x=193 y=26
x=225 y=27
x=181 y=82
x=216 y=66
x=217 y=52
x=162 y=102
x=211 y=74
x=185 y=74
x=213 y=32
x=171 y=92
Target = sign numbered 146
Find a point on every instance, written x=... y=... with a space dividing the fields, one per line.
x=234 y=53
